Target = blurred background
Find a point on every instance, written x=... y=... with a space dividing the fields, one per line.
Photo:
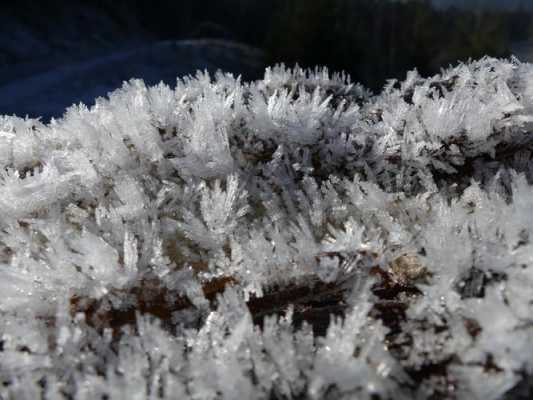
x=55 y=53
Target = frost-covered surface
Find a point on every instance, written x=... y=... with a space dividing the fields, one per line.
x=195 y=242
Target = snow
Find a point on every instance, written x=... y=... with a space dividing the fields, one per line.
x=293 y=237
x=47 y=91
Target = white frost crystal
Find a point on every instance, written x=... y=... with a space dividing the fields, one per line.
x=295 y=237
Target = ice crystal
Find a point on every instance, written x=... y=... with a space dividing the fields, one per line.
x=294 y=237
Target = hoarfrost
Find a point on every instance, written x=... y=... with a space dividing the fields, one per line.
x=294 y=237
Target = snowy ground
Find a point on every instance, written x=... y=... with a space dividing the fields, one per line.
x=204 y=241
x=48 y=90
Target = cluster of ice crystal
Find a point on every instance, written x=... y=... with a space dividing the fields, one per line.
x=295 y=237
